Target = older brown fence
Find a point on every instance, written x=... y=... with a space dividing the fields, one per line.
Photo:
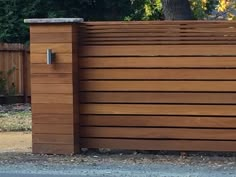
x=142 y=85
x=16 y=56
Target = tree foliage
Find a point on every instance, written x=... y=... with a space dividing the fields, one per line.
x=13 y=12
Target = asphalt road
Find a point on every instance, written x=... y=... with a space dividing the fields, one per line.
x=116 y=170
x=36 y=175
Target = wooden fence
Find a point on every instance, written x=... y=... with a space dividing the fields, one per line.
x=141 y=85
x=16 y=56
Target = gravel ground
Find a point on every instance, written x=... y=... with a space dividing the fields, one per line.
x=125 y=157
x=15 y=108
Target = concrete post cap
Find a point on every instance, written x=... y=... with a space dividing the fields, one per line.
x=54 y=20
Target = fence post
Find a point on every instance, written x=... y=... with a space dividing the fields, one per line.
x=54 y=87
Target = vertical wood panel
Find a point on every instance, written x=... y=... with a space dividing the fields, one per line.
x=12 y=55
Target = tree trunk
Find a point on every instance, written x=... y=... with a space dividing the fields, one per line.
x=177 y=10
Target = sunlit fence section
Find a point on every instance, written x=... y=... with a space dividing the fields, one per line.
x=156 y=85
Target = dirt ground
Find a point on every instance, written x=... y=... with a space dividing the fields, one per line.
x=15 y=141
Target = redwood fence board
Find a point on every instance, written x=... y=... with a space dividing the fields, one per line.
x=157 y=121
x=16 y=55
x=157 y=74
x=134 y=85
x=159 y=62
x=171 y=145
x=54 y=89
x=184 y=86
x=158 y=97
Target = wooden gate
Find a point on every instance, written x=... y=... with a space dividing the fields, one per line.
x=142 y=85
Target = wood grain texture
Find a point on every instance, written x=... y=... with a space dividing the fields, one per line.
x=176 y=40
x=157 y=29
x=168 y=145
x=157 y=42
x=54 y=106
x=53 y=139
x=157 y=133
x=63 y=37
x=148 y=74
x=41 y=108
x=52 y=118
x=16 y=56
x=52 y=88
x=59 y=78
x=158 y=97
x=157 y=121
x=134 y=85
x=148 y=50
x=158 y=62
x=60 y=48
x=51 y=69
x=51 y=28
x=213 y=86
x=166 y=33
x=155 y=25
x=57 y=129
x=158 y=109
x=52 y=98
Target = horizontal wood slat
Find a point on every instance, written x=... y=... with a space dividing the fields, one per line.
x=43 y=108
x=63 y=37
x=157 y=133
x=160 y=25
x=52 y=98
x=165 y=33
x=140 y=42
x=53 y=139
x=160 y=38
x=52 y=118
x=150 y=50
x=60 y=48
x=49 y=78
x=150 y=109
x=157 y=121
x=213 y=86
x=55 y=68
x=158 y=62
x=135 y=74
x=58 y=129
x=52 y=88
x=157 y=97
x=181 y=145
